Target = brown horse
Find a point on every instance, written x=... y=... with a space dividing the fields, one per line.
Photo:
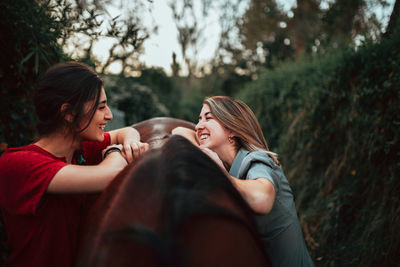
x=174 y=207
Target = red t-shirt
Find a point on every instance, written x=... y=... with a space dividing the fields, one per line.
x=42 y=229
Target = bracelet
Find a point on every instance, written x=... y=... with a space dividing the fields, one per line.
x=110 y=150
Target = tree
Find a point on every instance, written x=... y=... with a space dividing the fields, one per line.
x=270 y=34
x=304 y=26
x=137 y=101
x=189 y=31
x=162 y=86
x=175 y=67
x=394 y=19
x=87 y=23
x=264 y=34
x=29 y=44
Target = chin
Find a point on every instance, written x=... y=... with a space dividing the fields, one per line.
x=205 y=145
x=101 y=138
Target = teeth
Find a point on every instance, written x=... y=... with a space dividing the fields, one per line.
x=202 y=137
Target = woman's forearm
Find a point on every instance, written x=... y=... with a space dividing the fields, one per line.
x=119 y=136
x=187 y=133
x=87 y=179
x=258 y=193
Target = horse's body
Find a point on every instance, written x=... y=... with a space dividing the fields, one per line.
x=174 y=207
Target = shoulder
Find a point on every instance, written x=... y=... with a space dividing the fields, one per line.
x=258 y=164
x=24 y=177
x=15 y=155
x=28 y=159
x=260 y=156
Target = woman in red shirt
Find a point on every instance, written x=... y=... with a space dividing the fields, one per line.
x=43 y=185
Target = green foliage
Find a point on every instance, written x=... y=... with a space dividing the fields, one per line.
x=335 y=123
x=278 y=95
x=137 y=101
x=29 y=46
x=190 y=105
x=270 y=34
x=189 y=93
x=162 y=86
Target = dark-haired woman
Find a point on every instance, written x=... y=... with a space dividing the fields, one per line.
x=43 y=185
x=230 y=134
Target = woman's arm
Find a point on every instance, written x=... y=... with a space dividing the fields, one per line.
x=87 y=179
x=130 y=139
x=187 y=133
x=258 y=193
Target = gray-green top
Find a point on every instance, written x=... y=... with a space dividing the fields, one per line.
x=280 y=229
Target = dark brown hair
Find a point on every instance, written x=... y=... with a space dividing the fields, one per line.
x=71 y=83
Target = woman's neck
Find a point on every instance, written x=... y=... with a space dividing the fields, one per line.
x=227 y=156
x=59 y=145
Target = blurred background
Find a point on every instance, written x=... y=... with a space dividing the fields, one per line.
x=323 y=78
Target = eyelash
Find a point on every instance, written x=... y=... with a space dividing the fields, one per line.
x=103 y=107
x=206 y=118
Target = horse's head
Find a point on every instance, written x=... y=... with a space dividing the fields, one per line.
x=174 y=207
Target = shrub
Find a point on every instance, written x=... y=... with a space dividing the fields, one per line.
x=29 y=46
x=335 y=122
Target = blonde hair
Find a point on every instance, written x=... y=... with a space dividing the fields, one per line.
x=236 y=116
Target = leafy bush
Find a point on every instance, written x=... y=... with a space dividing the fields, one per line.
x=162 y=86
x=137 y=101
x=29 y=46
x=335 y=122
x=277 y=96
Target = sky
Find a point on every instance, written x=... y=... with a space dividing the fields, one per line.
x=158 y=48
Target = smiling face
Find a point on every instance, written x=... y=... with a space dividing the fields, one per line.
x=95 y=129
x=210 y=133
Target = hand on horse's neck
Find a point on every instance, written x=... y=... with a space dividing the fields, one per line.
x=59 y=145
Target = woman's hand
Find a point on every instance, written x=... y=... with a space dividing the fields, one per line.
x=129 y=138
x=133 y=149
x=187 y=133
x=214 y=156
x=258 y=193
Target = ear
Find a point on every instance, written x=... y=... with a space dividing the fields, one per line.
x=66 y=113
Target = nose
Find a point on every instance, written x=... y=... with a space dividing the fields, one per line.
x=199 y=126
x=108 y=115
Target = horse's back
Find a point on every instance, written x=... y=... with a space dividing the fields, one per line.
x=156 y=130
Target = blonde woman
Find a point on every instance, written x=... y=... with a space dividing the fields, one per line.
x=228 y=132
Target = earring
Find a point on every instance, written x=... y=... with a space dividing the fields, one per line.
x=230 y=139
